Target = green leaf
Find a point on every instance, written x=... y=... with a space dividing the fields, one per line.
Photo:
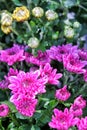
x=32 y=128
x=17 y=2
x=53 y=5
x=24 y=127
x=35 y=127
x=66 y=104
x=70 y=3
x=53 y=103
x=19 y=116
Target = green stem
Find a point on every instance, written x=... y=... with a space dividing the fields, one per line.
x=83 y=7
x=33 y=51
x=21 y=63
x=14 y=119
x=1 y=127
x=12 y=36
x=15 y=32
x=29 y=27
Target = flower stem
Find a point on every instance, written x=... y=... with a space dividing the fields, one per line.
x=14 y=119
x=1 y=127
x=29 y=28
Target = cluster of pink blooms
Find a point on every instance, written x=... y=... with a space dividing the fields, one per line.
x=70 y=117
x=25 y=86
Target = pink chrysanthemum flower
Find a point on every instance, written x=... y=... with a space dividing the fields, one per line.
x=4 y=84
x=29 y=83
x=51 y=74
x=62 y=120
x=41 y=59
x=80 y=102
x=82 y=54
x=25 y=105
x=12 y=72
x=73 y=64
x=12 y=55
x=62 y=94
x=56 y=53
x=82 y=124
x=4 y=110
x=75 y=110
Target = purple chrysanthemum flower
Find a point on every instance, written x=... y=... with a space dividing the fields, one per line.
x=29 y=83
x=76 y=110
x=56 y=53
x=41 y=59
x=4 y=110
x=51 y=74
x=12 y=55
x=82 y=124
x=62 y=94
x=73 y=64
x=25 y=105
x=62 y=120
x=80 y=102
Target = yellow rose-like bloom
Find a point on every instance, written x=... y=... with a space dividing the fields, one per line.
x=6 y=19
x=38 y=12
x=6 y=29
x=21 y=14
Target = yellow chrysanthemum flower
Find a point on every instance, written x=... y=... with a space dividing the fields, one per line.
x=21 y=14
x=6 y=29
x=6 y=19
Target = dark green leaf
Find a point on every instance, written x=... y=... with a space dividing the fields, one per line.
x=17 y=2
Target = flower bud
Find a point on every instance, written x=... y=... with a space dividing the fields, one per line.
x=6 y=29
x=21 y=14
x=76 y=24
x=55 y=35
x=6 y=19
x=33 y=42
x=38 y=12
x=51 y=15
x=68 y=32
